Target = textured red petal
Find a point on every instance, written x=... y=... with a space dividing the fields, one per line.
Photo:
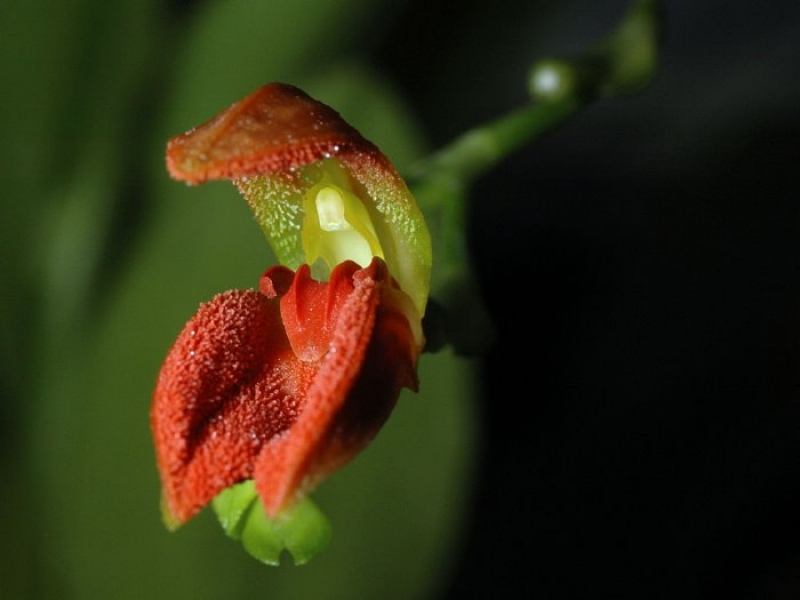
x=276 y=128
x=372 y=354
x=228 y=385
x=284 y=386
x=310 y=310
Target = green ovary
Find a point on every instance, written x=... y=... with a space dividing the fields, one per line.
x=337 y=227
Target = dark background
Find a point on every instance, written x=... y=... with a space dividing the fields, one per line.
x=641 y=406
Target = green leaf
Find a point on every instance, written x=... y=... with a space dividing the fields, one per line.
x=304 y=531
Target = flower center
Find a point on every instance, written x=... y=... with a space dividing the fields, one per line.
x=337 y=227
x=330 y=210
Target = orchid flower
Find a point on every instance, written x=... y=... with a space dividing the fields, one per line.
x=286 y=383
x=268 y=391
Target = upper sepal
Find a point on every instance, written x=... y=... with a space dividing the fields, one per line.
x=285 y=151
x=275 y=129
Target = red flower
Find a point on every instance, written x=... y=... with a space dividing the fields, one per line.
x=286 y=384
x=282 y=385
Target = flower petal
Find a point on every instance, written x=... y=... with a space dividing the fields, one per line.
x=275 y=129
x=229 y=384
x=283 y=386
x=372 y=354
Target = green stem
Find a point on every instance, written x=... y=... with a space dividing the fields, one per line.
x=622 y=63
x=480 y=149
x=441 y=184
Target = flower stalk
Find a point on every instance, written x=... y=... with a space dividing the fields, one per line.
x=622 y=63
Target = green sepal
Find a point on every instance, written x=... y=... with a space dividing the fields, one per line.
x=278 y=202
x=302 y=530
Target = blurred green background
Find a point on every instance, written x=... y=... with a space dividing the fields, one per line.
x=103 y=260
x=633 y=433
